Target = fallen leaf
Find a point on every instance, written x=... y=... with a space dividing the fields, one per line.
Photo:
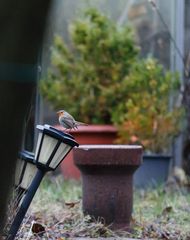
x=167 y=210
x=71 y=204
x=38 y=228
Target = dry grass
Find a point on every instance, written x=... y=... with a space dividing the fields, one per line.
x=55 y=213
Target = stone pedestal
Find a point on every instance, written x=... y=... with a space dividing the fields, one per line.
x=107 y=180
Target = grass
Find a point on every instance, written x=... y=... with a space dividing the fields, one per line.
x=55 y=213
x=162 y=213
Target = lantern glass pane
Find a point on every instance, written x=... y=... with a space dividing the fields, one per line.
x=38 y=143
x=47 y=148
x=59 y=155
x=29 y=174
x=18 y=171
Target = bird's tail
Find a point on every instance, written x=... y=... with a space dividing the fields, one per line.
x=80 y=123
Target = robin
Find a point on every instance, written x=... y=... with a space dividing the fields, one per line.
x=67 y=120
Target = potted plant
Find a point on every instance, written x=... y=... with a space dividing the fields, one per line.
x=99 y=78
x=86 y=75
x=153 y=117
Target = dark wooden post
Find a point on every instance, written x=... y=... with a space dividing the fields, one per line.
x=22 y=25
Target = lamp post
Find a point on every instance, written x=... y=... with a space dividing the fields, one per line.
x=52 y=147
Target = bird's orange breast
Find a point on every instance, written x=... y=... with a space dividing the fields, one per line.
x=60 y=114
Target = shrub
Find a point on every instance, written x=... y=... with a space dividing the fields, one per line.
x=86 y=77
x=151 y=117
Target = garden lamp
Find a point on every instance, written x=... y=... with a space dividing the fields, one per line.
x=24 y=174
x=25 y=170
x=52 y=147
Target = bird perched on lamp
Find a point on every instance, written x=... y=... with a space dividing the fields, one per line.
x=67 y=120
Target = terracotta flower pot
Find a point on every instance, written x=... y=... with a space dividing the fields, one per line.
x=92 y=134
x=107 y=181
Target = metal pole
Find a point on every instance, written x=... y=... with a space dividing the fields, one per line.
x=25 y=204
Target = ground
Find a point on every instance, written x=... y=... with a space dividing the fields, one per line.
x=55 y=214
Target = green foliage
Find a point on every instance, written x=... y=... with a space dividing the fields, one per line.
x=87 y=78
x=99 y=79
x=150 y=119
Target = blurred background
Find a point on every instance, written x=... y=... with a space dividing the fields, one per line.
x=162 y=32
